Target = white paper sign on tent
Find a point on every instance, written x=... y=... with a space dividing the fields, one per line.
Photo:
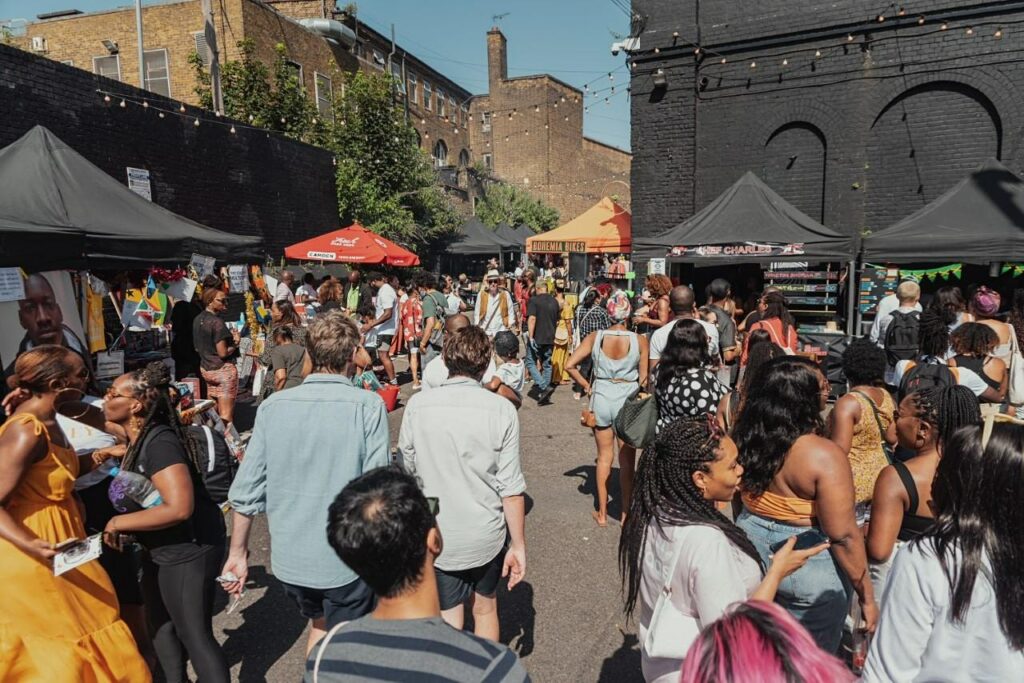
x=12 y=284
x=180 y=290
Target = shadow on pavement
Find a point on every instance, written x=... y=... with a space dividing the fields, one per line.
x=517 y=616
x=272 y=626
x=588 y=486
x=623 y=666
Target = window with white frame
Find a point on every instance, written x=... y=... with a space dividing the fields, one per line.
x=324 y=94
x=465 y=115
x=109 y=66
x=396 y=73
x=440 y=154
x=158 y=77
x=297 y=70
x=378 y=60
x=441 y=109
x=428 y=96
x=454 y=109
x=485 y=121
x=414 y=90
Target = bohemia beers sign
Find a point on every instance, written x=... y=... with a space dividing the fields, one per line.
x=763 y=249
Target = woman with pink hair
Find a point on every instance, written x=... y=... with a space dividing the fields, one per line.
x=759 y=642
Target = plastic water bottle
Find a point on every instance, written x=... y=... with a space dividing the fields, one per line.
x=134 y=486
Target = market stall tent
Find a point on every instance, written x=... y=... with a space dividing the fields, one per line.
x=58 y=211
x=979 y=220
x=605 y=228
x=476 y=238
x=354 y=244
x=748 y=222
x=515 y=236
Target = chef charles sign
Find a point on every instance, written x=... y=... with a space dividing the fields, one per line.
x=764 y=249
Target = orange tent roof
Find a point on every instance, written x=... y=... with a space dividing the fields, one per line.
x=604 y=228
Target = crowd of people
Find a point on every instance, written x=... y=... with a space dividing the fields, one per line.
x=766 y=534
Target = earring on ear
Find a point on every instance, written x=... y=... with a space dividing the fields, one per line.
x=136 y=423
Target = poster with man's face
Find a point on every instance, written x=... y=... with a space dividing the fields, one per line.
x=47 y=315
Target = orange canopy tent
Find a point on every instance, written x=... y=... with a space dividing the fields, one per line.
x=604 y=228
x=354 y=244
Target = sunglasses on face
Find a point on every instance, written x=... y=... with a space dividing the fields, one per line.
x=112 y=393
x=435 y=505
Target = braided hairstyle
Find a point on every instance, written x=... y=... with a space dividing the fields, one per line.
x=947 y=409
x=150 y=386
x=664 y=492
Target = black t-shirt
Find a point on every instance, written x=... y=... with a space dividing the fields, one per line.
x=207 y=330
x=546 y=309
x=183 y=318
x=186 y=540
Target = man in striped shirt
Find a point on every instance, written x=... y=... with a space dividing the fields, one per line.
x=383 y=527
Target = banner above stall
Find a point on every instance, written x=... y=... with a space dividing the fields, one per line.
x=604 y=228
x=748 y=223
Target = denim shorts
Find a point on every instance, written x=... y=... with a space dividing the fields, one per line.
x=455 y=586
x=817 y=594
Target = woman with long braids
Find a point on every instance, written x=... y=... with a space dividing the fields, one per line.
x=901 y=503
x=796 y=479
x=675 y=542
x=52 y=628
x=954 y=604
x=183 y=533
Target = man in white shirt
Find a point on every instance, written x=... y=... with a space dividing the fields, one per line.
x=307 y=290
x=890 y=303
x=384 y=323
x=436 y=372
x=495 y=310
x=683 y=305
x=462 y=442
x=284 y=287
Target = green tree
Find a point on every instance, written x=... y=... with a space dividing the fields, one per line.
x=384 y=180
x=504 y=203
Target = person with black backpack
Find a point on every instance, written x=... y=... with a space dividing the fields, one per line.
x=929 y=369
x=898 y=330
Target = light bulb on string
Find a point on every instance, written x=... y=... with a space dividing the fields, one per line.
x=901 y=12
x=724 y=60
x=556 y=105
x=506 y=138
x=161 y=114
x=849 y=37
x=969 y=31
x=998 y=34
x=251 y=118
x=785 y=62
x=282 y=119
x=753 y=65
x=536 y=108
x=696 y=51
x=657 y=50
x=145 y=104
x=881 y=18
x=123 y=104
x=817 y=53
x=233 y=131
x=920 y=20
x=217 y=114
x=196 y=122
x=611 y=76
x=944 y=26
x=106 y=98
x=563 y=98
x=182 y=108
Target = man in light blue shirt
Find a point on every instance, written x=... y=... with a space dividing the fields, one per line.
x=307 y=444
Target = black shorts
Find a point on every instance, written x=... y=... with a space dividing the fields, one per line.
x=338 y=605
x=454 y=587
x=384 y=342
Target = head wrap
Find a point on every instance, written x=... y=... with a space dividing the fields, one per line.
x=986 y=301
x=618 y=306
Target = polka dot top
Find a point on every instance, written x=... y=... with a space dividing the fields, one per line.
x=695 y=393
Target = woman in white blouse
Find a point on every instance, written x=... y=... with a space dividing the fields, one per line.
x=953 y=608
x=683 y=562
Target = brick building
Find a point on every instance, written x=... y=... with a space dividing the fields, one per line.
x=250 y=183
x=529 y=131
x=857 y=118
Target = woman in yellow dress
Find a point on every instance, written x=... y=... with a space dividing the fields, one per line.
x=563 y=335
x=52 y=628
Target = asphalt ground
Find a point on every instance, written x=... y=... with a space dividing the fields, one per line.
x=565 y=619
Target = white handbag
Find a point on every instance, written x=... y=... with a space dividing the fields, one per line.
x=671 y=632
x=259 y=377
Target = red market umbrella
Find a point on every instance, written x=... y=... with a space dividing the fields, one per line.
x=354 y=244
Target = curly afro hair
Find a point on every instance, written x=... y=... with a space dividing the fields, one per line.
x=864 y=363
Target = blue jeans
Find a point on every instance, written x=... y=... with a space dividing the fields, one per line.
x=541 y=357
x=817 y=594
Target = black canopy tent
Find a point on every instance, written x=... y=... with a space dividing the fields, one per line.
x=748 y=223
x=979 y=220
x=517 y=235
x=59 y=211
x=476 y=238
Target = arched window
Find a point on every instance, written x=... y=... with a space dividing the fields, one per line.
x=464 y=159
x=419 y=138
x=440 y=154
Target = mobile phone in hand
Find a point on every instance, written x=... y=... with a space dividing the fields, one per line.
x=808 y=539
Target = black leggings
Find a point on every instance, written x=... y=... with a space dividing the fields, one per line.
x=179 y=610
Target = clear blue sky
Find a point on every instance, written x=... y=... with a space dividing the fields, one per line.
x=568 y=39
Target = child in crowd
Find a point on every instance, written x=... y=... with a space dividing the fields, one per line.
x=510 y=369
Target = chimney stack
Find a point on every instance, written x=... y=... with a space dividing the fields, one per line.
x=497 y=58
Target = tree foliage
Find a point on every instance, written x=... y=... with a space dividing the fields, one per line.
x=384 y=180
x=504 y=203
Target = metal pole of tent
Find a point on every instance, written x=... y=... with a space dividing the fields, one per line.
x=852 y=294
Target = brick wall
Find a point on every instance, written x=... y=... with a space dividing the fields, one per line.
x=541 y=147
x=250 y=183
x=861 y=137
